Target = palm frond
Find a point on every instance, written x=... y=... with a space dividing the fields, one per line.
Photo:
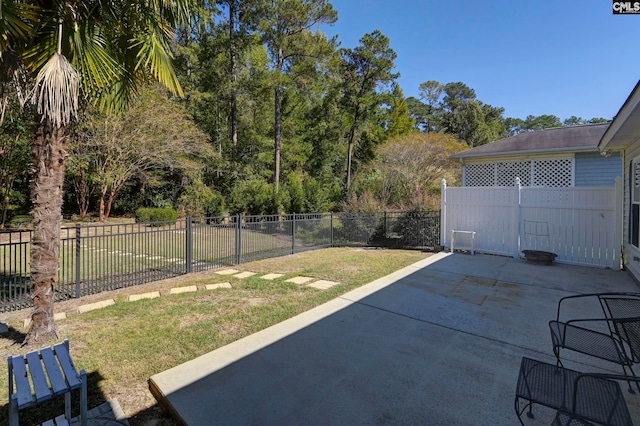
x=93 y=59
x=154 y=54
x=17 y=20
x=118 y=96
x=38 y=54
x=174 y=12
x=56 y=91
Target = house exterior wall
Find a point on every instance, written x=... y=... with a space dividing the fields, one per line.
x=594 y=169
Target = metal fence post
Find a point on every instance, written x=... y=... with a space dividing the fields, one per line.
x=443 y=213
x=238 y=238
x=331 y=227
x=386 y=232
x=189 y=242
x=293 y=234
x=78 y=245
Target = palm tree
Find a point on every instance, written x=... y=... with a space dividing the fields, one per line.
x=73 y=52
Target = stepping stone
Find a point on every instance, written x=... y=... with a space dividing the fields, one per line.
x=299 y=280
x=245 y=274
x=186 y=289
x=151 y=295
x=217 y=285
x=97 y=305
x=227 y=272
x=323 y=284
x=271 y=276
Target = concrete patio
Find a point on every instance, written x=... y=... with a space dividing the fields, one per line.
x=438 y=343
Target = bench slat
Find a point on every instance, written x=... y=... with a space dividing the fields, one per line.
x=39 y=378
x=23 y=388
x=73 y=378
x=56 y=378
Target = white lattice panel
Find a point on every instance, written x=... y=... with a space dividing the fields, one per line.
x=479 y=174
x=509 y=171
x=553 y=173
x=548 y=173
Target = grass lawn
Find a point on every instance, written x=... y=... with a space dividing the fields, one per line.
x=121 y=346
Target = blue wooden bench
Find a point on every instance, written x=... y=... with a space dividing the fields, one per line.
x=40 y=376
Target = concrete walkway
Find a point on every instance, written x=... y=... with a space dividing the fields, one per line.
x=438 y=343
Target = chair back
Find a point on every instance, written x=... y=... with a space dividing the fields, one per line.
x=625 y=315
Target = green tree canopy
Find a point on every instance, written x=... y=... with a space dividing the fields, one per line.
x=367 y=74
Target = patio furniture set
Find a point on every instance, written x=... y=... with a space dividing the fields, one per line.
x=585 y=398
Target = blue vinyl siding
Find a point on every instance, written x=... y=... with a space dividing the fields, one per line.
x=593 y=169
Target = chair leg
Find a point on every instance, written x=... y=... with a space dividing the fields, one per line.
x=67 y=406
x=520 y=412
x=624 y=368
x=556 y=352
x=14 y=419
x=83 y=399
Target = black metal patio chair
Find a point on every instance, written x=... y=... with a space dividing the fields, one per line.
x=578 y=398
x=615 y=337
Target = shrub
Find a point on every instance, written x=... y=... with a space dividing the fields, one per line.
x=166 y=214
x=214 y=205
x=316 y=196
x=295 y=191
x=254 y=197
x=20 y=221
x=199 y=200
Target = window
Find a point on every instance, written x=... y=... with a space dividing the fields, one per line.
x=634 y=216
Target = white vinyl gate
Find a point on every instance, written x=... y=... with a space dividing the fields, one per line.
x=581 y=225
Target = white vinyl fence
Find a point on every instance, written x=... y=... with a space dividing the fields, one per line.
x=581 y=225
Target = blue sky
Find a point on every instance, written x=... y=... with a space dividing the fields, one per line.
x=561 y=57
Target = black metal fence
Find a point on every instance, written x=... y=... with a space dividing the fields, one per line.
x=96 y=258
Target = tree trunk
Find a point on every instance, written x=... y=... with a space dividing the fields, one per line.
x=276 y=154
x=349 y=156
x=233 y=11
x=49 y=157
x=278 y=121
x=352 y=137
x=107 y=210
x=103 y=193
x=82 y=195
x=5 y=201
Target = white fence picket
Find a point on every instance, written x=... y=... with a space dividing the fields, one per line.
x=580 y=225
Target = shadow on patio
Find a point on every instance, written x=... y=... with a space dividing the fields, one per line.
x=437 y=343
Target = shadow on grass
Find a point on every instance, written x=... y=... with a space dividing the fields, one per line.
x=14 y=335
